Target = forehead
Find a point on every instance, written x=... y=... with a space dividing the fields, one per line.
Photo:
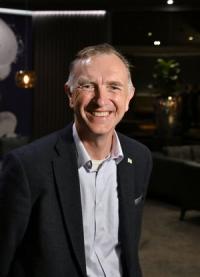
x=101 y=65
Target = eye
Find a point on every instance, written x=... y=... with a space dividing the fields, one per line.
x=114 y=88
x=87 y=87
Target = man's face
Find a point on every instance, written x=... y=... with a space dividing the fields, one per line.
x=101 y=95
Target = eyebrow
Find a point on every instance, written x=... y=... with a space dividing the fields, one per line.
x=116 y=83
x=82 y=80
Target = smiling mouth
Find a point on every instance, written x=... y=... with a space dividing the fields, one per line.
x=100 y=114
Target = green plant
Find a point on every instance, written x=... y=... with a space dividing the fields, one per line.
x=166 y=76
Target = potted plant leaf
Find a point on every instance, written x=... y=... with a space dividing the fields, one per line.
x=166 y=77
x=168 y=103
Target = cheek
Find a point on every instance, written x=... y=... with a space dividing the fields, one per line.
x=78 y=101
x=121 y=103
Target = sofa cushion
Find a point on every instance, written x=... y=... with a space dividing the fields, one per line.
x=195 y=149
x=179 y=152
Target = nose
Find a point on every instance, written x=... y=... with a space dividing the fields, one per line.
x=100 y=96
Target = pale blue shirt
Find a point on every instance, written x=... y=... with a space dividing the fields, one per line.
x=100 y=210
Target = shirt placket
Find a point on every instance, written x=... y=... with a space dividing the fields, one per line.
x=95 y=268
x=99 y=220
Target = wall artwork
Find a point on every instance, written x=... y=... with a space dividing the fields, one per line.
x=15 y=48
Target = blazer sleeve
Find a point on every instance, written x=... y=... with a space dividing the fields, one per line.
x=14 y=210
x=149 y=165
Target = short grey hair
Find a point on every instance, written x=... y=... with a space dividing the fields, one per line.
x=94 y=50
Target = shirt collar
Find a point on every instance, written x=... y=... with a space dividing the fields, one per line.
x=83 y=156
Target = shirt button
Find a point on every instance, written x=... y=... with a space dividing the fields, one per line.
x=89 y=164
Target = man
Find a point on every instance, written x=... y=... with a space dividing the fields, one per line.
x=71 y=203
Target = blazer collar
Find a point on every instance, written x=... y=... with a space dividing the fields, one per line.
x=67 y=180
x=127 y=191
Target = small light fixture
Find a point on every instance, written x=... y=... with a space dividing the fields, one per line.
x=170 y=2
x=149 y=34
x=157 y=42
x=25 y=78
x=190 y=38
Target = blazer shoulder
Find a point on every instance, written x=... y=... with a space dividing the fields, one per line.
x=44 y=147
x=133 y=146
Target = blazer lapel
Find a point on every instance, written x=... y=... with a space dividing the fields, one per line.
x=127 y=221
x=66 y=174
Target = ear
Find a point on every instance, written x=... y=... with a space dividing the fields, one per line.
x=69 y=95
x=130 y=95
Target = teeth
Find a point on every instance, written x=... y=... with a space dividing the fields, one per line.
x=100 y=113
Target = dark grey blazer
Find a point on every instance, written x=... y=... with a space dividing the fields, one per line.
x=41 y=230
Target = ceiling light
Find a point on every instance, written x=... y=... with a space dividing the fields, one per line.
x=157 y=42
x=170 y=2
x=73 y=13
x=190 y=38
x=57 y=12
x=15 y=11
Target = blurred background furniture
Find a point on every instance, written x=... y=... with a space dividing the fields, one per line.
x=176 y=177
x=9 y=143
x=9 y=139
x=8 y=123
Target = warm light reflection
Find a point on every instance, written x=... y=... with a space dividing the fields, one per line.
x=25 y=79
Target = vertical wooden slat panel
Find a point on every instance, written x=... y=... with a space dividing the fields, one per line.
x=56 y=39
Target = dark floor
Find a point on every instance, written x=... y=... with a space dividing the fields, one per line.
x=169 y=247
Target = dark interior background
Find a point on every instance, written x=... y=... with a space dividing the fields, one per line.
x=52 y=40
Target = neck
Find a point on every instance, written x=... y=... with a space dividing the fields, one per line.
x=98 y=149
x=99 y=146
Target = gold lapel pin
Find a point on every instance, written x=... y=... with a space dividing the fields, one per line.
x=130 y=161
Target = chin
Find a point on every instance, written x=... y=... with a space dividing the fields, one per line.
x=101 y=131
